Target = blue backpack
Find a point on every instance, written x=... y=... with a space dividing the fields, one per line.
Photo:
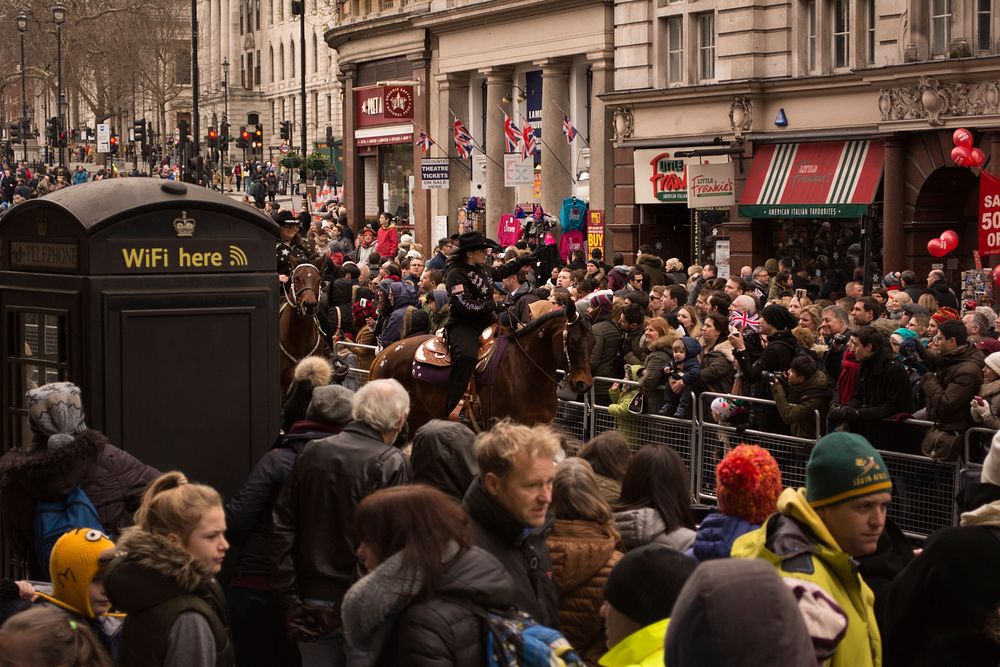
x=55 y=518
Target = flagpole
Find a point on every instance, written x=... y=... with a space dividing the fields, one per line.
x=566 y=115
x=550 y=152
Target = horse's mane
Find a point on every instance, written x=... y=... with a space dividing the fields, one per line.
x=539 y=322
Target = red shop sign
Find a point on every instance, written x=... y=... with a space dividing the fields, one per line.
x=383 y=105
x=989 y=214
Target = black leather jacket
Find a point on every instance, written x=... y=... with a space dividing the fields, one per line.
x=314 y=538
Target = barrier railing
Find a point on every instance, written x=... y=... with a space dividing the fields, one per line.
x=639 y=430
x=791 y=453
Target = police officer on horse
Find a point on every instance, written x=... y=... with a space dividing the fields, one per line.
x=291 y=251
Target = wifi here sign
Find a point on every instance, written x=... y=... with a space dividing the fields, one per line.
x=182 y=256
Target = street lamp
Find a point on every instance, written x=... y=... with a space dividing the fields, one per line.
x=59 y=17
x=225 y=119
x=22 y=27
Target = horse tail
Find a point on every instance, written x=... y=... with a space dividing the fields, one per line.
x=315 y=369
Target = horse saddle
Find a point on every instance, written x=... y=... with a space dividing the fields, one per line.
x=434 y=351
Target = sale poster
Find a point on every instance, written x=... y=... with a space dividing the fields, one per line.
x=595 y=231
x=989 y=214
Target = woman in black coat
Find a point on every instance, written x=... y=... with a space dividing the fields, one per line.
x=776 y=324
x=426 y=585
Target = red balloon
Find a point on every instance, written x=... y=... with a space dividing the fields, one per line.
x=996 y=275
x=950 y=240
x=977 y=157
x=962 y=137
x=961 y=156
x=937 y=248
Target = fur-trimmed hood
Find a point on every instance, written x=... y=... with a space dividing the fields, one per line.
x=665 y=343
x=47 y=473
x=149 y=569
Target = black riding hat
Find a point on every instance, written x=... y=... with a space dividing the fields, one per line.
x=285 y=218
x=472 y=241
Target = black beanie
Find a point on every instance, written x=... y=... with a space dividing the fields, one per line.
x=646 y=582
x=778 y=317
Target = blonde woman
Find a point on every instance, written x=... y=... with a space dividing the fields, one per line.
x=688 y=317
x=582 y=544
x=163 y=577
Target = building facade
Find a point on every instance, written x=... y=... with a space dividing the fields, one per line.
x=412 y=66
x=834 y=116
x=260 y=40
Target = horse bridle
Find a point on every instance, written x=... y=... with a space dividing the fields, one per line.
x=565 y=342
x=292 y=295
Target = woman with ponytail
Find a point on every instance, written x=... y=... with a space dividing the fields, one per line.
x=163 y=577
x=48 y=637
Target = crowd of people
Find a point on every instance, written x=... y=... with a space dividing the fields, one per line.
x=359 y=544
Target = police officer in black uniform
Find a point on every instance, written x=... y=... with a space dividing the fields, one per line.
x=292 y=249
x=469 y=284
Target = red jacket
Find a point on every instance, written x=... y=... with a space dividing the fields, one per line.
x=388 y=242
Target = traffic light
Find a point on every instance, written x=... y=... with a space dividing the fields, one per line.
x=286 y=129
x=14 y=132
x=213 y=138
x=51 y=130
x=258 y=137
x=114 y=144
x=298 y=7
x=329 y=136
x=61 y=139
x=139 y=130
x=244 y=140
x=224 y=134
x=184 y=129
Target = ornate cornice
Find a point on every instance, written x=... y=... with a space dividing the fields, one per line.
x=934 y=100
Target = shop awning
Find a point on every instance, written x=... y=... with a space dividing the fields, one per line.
x=830 y=179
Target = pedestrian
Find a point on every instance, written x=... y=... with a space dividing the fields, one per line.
x=388 y=236
x=604 y=357
x=582 y=544
x=776 y=324
x=257 y=619
x=46 y=637
x=427 y=586
x=608 y=454
x=683 y=374
x=838 y=516
x=801 y=393
x=655 y=503
x=443 y=456
x=163 y=578
x=314 y=550
x=509 y=506
x=747 y=486
x=717 y=370
x=710 y=626
x=640 y=595
x=985 y=406
x=65 y=455
x=658 y=337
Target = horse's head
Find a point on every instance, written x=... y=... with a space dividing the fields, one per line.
x=576 y=344
x=304 y=289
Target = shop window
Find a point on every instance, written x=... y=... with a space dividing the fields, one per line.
x=38 y=356
x=841 y=34
x=984 y=25
x=396 y=161
x=706 y=47
x=940 y=27
x=675 y=50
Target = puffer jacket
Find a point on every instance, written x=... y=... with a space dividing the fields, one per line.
x=797 y=542
x=404 y=296
x=583 y=554
x=641 y=526
x=716 y=535
x=607 y=343
x=882 y=390
x=947 y=391
x=443 y=457
x=659 y=358
x=522 y=552
x=155 y=582
x=315 y=542
x=446 y=629
x=113 y=480
x=652 y=266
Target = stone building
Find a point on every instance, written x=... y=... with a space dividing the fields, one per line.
x=835 y=116
x=416 y=65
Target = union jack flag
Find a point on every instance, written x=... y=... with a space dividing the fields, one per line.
x=424 y=141
x=744 y=321
x=463 y=140
x=569 y=130
x=511 y=134
x=529 y=146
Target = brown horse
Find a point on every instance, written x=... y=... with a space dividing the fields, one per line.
x=298 y=328
x=524 y=388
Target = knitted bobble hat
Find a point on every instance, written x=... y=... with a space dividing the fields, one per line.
x=56 y=412
x=73 y=565
x=748 y=483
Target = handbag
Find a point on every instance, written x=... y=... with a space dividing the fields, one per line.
x=941 y=445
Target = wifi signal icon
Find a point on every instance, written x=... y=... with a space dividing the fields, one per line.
x=237 y=257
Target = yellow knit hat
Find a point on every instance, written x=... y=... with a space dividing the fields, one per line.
x=73 y=565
